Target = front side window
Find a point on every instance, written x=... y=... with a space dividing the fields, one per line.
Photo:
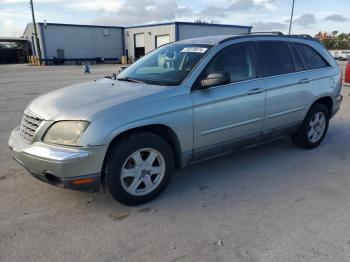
x=310 y=57
x=277 y=58
x=168 y=65
x=234 y=60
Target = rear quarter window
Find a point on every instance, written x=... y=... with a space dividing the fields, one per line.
x=310 y=57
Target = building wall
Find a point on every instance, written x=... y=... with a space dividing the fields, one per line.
x=29 y=34
x=89 y=42
x=177 y=31
x=150 y=33
x=186 y=31
x=82 y=42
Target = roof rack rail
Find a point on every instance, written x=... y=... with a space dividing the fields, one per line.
x=272 y=33
x=303 y=35
x=264 y=33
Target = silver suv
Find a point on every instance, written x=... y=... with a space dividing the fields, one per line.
x=182 y=103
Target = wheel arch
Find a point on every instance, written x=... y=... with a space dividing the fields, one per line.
x=326 y=101
x=158 y=129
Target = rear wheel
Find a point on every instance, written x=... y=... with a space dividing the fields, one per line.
x=313 y=129
x=138 y=168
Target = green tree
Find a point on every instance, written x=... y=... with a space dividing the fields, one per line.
x=335 y=40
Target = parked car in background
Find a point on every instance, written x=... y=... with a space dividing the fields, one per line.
x=341 y=55
x=347 y=74
x=345 y=55
x=335 y=53
x=180 y=104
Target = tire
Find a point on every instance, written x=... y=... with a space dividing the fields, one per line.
x=138 y=168
x=303 y=137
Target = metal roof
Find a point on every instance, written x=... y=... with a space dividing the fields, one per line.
x=189 y=23
x=139 y=26
x=78 y=25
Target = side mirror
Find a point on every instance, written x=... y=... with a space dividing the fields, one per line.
x=214 y=79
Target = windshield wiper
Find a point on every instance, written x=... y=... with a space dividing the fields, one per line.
x=127 y=79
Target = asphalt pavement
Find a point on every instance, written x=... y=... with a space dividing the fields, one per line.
x=271 y=203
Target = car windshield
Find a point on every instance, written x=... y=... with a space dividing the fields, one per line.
x=167 y=65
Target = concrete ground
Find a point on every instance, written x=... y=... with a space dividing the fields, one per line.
x=271 y=203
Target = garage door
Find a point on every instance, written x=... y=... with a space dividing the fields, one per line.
x=139 y=40
x=162 y=40
x=139 y=45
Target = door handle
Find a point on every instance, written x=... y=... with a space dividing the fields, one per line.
x=255 y=91
x=304 y=81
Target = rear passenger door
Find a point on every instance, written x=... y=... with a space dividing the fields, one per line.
x=289 y=91
x=319 y=71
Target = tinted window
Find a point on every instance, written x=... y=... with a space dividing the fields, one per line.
x=277 y=58
x=297 y=61
x=310 y=57
x=235 y=60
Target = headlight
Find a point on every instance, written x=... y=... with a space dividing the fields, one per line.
x=66 y=132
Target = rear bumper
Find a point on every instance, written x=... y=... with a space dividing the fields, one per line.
x=337 y=103
x=66 y=167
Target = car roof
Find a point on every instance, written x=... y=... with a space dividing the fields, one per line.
x=207 y=40
x=214 y=40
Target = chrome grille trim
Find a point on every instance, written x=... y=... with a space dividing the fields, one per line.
x=29 y=125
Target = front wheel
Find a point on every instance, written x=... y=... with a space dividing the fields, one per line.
x=313 y=129
x=138 y=168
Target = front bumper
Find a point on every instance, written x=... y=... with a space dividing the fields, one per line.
x=67 y=167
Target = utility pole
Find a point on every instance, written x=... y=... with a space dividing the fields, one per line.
x=291 y=18
x=38 y=49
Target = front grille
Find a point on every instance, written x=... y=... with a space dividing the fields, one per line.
x=29 y=126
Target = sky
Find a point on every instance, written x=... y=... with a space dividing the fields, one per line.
x=310 y=16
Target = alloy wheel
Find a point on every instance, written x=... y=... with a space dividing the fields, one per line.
x=317 y=127
x=143 y=171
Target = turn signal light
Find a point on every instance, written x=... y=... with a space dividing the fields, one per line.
x=82 y=181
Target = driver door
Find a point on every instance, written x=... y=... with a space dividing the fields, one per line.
x=231 y=115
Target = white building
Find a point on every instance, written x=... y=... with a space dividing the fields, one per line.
x=71 y=43
x=140 y=40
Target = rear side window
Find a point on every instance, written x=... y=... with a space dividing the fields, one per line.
x=277 y=57
x=311 y=58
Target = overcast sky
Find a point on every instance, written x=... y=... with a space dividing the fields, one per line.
x=311 y=16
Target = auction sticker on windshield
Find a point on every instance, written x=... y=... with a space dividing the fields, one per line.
x=194 y=50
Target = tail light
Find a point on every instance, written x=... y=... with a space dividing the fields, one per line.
x=347 y=73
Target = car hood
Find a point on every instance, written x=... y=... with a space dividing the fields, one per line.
x=82 y=101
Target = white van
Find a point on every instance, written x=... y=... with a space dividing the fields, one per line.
x=344 y=55
x=335 y=53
